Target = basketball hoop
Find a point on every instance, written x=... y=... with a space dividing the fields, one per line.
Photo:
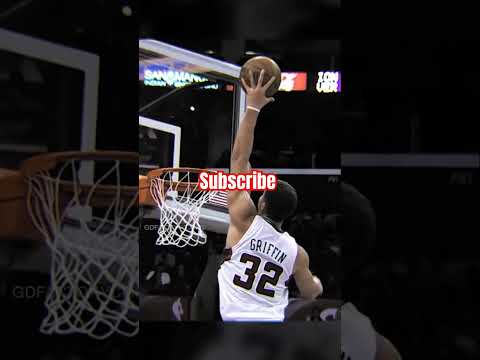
x=179 y=198
x=90 y=223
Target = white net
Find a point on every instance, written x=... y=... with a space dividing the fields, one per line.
x=92 y=232
x=179 y=199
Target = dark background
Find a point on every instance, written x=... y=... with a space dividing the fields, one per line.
x=410 y=87
x=425 y=221
x=101 y=28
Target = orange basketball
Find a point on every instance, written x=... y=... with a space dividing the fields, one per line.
x=271 y=68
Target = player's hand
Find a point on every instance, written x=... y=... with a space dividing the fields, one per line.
x=256 y=92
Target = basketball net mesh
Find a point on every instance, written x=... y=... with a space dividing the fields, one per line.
x=94 y=267
x=179 y=201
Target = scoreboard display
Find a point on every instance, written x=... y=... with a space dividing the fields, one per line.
x=158 y=75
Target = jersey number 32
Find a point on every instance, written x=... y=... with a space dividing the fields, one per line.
x=251 y=273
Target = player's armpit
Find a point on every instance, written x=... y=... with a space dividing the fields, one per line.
x=309 y=286
x=241 y=208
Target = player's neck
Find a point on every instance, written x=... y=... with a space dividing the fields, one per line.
x=276 y=224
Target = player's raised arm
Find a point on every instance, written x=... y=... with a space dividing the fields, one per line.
x=241 y=207
x=309 y=285
x=256 y=100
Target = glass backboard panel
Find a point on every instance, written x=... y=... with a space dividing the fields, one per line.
x=41 y=107
x=197 y=102
x=156 y=148
x=189 y=104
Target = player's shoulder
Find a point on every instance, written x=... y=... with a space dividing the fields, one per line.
x=290 y=240
x=302 y=258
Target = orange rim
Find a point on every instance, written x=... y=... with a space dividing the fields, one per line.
x=145 y=197
x=45 y=162
x=15 y=221
x=180 y=185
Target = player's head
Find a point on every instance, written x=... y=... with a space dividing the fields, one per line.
x=279 y=204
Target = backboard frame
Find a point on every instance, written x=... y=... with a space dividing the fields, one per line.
x=212 y=220
x=68 y=57
x=71 y=58
x=229 y=70
x=168 y=128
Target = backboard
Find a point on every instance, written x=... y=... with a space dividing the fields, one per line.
x=48 y=103
x=190 y=105
x=50 y=98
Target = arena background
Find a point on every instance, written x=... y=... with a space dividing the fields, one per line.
x=401 y=101
x=40 y=106
x=417 y=288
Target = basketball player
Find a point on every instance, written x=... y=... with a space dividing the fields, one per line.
x=260 y=258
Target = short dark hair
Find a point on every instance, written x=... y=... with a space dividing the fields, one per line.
x=281 y=202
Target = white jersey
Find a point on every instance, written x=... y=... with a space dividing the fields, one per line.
x=253 y=281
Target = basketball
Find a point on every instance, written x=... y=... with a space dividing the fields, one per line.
x=271 y=68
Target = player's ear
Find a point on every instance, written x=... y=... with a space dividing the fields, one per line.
x=261 y=203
